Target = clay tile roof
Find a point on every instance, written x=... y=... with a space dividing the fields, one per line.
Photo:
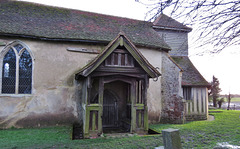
x=53 y=23
x=165 y=22
x=190 y=75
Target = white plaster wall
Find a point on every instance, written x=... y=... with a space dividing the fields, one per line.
x=53 y=94
x=53 y=98
x=154 y=90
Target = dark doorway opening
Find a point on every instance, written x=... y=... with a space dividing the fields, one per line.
x=110 y=110
x=116 y=103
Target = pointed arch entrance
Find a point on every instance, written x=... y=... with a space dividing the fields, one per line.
x=116 y=107
x=114 y=89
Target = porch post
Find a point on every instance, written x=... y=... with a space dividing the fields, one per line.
x=100 y=100
x=145 y=103
x=86 y=113
x=133 y=100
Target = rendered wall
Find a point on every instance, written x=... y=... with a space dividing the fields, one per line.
x=154 y=96
x=55 y=98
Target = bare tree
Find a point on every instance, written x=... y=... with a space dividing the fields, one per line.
x=218 y=21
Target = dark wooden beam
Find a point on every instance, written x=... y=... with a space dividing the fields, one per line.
x=121 y=69
x=104 y=74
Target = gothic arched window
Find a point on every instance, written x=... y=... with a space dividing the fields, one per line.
x=16 y=69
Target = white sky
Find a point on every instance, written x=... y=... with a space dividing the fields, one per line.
x=124 y=8
x=224 y=66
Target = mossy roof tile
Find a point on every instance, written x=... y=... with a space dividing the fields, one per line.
x=190 y=76
x=46 y=22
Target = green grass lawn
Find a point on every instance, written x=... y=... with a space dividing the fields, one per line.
x=234 y=99
x=59 y=137
x=198 y=134
x=206 y=134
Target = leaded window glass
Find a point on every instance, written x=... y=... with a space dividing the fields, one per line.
x=6 y=70
x=9 y=73
x=17 y=71
x=25 y=73
x=18 y=47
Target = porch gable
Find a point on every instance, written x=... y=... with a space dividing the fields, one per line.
x=122 y=59
x=116 y=80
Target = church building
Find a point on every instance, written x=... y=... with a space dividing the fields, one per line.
x=104 y=73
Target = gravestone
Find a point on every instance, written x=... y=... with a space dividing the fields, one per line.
x=171 y=139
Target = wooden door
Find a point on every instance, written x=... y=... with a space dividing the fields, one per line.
x=110 y=110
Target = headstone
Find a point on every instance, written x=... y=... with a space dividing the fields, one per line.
x=171 y=139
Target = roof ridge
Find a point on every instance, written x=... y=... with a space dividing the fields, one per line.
x=157 y=19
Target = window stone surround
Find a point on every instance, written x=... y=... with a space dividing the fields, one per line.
x=3 y=52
